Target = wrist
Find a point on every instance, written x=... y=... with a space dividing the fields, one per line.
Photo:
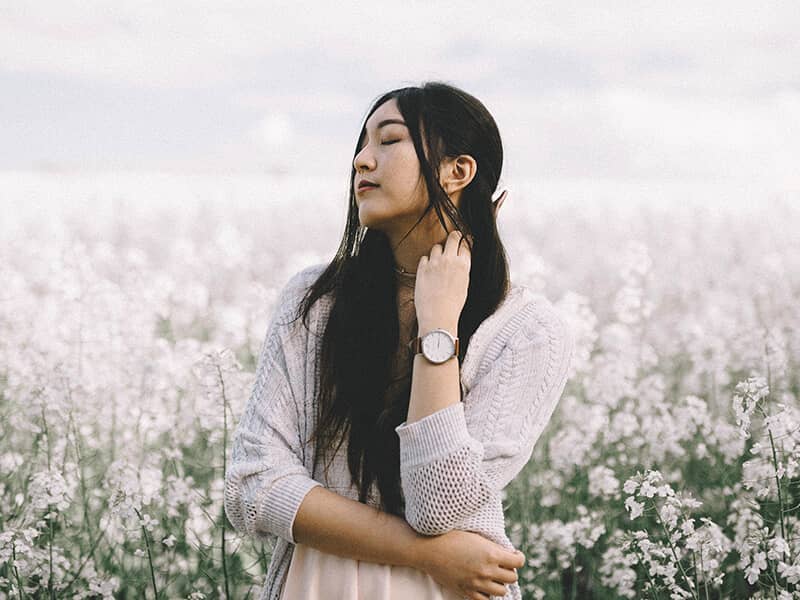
x=420 y=553
x=449 y=326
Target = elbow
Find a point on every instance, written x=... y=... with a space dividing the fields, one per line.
x=436 y=516
x=484 y=520
x=240 y=506
x=265 y=507
x=429 y=525
x=439 y=518
x=233 y=505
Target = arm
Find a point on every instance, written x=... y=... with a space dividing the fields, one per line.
x=433 y=387
x=266 y=479
x=457 y=458
x=338 y=525
x=269 y=491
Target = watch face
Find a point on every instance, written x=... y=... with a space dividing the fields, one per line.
x=438 y=346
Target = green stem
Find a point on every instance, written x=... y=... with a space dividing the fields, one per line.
x=224 y=472
x=50 y=591
x=573 y=584
x=703 y=569
x=778 y=484
x=774 y=581
x=82 y=481
x=149 y=554
x=647 y=572
x=20 y=591
x=80 y=568
x=674 y=552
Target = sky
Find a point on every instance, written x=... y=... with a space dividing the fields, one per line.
x=666 y=91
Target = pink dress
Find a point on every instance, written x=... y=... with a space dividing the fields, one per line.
x=317 y=575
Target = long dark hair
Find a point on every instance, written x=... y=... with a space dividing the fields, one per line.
x=362 y=332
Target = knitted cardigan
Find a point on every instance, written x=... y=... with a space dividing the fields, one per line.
x=454 y=463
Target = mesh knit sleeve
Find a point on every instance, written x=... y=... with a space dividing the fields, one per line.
x=266 y=479
x=455 y=462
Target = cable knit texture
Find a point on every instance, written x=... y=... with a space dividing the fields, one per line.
x=454 y=463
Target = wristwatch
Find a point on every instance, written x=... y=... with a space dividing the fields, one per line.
x=437 y=346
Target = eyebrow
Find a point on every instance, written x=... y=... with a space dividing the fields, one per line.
x=383 y=124
x=389 y=122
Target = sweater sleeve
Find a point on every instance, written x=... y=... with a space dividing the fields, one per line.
x=266 y=480
x=455 y=462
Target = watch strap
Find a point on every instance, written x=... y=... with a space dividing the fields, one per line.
x=415 y=345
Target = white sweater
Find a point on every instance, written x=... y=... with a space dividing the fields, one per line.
x=453 y=463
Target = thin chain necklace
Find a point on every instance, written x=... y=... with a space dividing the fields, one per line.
x=406 y=278
x=402 y=271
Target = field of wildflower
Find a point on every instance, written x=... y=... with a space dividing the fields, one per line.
x=132 y=311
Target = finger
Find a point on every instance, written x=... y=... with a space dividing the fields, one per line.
x=494 y=589
x=452 y=242
x=505 y=576
x=436 y=250
x=512 y=559
x=498 y=203
x=465 y=245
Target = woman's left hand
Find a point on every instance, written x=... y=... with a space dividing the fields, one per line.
x=442 y=283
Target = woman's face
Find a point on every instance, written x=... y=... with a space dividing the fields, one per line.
x=386 y=156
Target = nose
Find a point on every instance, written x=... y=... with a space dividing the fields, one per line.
x=363 y=160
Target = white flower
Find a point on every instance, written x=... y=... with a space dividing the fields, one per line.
x=789 y=572
x=669 y=514
x=148 y=522
x=602 y=482
x=687 y=527
x=630 y=486
x=747 y=395
x=648 y=490
x=49 y=488
x=777 y=548
x=754 y=570
x=635 y=508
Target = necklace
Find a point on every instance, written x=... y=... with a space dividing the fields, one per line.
x=402 y=271
x=406 y=279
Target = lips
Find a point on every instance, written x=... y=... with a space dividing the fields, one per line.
x=366 y=186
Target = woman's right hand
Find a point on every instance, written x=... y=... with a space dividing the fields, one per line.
x=469 y=564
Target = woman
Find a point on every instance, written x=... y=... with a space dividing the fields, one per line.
x=415 y=349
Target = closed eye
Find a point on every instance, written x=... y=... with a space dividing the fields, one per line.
x=389 y=143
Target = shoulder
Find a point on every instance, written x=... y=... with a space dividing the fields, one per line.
x=540 y=319
x=544 y=334
x=527 y=323
x=303 y=279
x=293 y=291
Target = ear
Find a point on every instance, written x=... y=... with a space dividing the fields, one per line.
x=457 y=173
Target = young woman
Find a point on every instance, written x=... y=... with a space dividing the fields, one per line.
x=415 y=350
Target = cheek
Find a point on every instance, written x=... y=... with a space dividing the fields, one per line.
x=407 y=171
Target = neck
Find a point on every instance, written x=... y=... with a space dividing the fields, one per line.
x=416 y=245
x=405 y=281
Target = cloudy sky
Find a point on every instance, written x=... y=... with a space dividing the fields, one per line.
x=678 y=90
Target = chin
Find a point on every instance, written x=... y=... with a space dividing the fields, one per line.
x=368 y=218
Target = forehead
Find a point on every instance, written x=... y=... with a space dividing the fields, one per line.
x=387 y=110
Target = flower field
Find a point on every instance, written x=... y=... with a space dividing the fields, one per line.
x=131 y=314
